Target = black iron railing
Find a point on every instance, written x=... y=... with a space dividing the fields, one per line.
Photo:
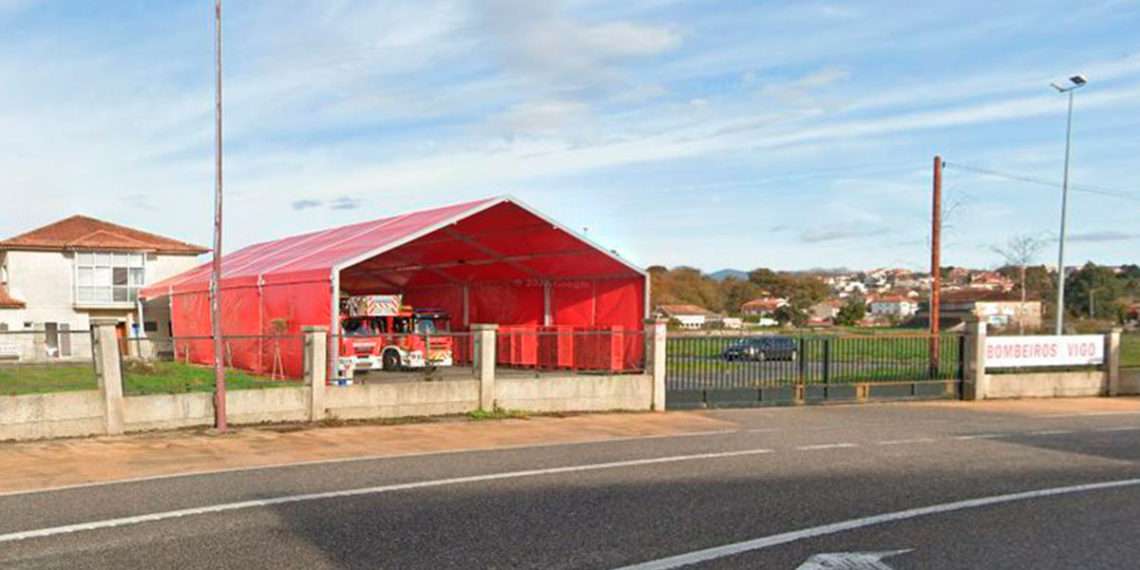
x=763 y=361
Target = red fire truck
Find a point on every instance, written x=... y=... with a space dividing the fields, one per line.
x=379 y=332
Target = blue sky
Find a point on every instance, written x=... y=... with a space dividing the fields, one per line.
x=713 y=134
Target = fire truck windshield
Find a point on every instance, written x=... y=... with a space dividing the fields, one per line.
x=425 y=326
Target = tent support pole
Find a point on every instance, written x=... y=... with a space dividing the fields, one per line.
x=466 y=305
x=546 y=310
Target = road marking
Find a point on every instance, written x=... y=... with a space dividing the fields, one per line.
x=733 y=549
x=1089 y=414
x=360 y=458
x=1051 y=432
x=851 y=560
x=257 y=503
x=982 y=436
x=826 y=446
x=906 y=441
x=1119 y=428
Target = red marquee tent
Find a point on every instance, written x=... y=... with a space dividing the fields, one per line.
x=495 y=260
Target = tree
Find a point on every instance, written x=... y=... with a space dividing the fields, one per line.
x=851 y=312
x=1019 y=252
x=1095 y=291
x=735 y=293
x=789 y=314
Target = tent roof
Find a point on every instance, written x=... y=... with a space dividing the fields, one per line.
x=496 y=237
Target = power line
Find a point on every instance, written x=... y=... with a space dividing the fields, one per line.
x=1088 y=189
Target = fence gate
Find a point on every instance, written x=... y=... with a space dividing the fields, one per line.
x=758 y=370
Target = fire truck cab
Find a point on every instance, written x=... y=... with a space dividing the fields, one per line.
x=378 y=332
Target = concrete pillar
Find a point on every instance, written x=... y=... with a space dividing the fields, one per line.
x=316 y=369
x=976 y=382
x=655 y=339
x=109 y=372
x=485 y=363
x=1112 y=360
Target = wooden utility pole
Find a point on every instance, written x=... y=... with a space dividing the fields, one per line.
x=936 y=265
x=216 y=273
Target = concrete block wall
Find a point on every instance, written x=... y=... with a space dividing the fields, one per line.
x=980 y=384
x=401 y=399
x=1048 y=385
x=576 y=393
x=1129 y=381
x=38 y=416
x=108 y=411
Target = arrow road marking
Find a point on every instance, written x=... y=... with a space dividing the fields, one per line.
x=851 y=560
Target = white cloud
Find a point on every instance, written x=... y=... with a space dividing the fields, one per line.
x=625 y=39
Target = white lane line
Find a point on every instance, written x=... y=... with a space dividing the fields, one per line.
x=1051 y=432
x=1089 y=414
x=826 y=446
x=906 y=441
x=714 y=553
x=360 y=458
x=981 y=436
x=257 y=503
x=1119 y=428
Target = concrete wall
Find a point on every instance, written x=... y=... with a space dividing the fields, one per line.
x=173 y=411
x=167 y=411
x=268 y=405
x=402 y=399
x=576 y=393
x=107 y=411
x=65 y=414
x=1129 y=381
x=1047 y=384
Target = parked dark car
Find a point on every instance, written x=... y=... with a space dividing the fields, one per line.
x=763 y=348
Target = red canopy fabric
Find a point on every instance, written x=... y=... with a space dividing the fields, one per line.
x=494 y=261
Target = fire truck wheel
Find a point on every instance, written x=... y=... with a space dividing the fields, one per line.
x=391 y=361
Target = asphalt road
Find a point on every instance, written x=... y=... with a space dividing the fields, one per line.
x=1046 y=492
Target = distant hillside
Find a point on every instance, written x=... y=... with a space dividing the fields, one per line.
x=726 y=273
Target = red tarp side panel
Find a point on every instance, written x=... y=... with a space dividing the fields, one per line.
x=572 y=303
x=295 y=306
x=449 y=299
x=620 y=303
x=190 y=319
x=506 y=304
x=240 y=310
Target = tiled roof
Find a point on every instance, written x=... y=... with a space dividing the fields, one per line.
x=7 y=301
x=672 y=310
x=85 y=233
x=764 y=303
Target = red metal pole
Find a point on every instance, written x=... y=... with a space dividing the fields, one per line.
x=216 y=273
x=936 y=265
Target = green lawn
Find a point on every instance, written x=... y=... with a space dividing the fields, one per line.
x=139 y=379
x=1130 y=350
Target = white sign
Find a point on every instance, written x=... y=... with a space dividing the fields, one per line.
x=1021 y=351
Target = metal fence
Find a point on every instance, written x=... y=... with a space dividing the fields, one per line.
x=565 y=349
x=165 y=365
x=757 y=362
x=49 y=360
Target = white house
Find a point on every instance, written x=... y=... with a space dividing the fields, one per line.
x=56 y=278
x=687 y=316
x=894 y=306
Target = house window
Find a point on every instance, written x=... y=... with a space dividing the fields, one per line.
x=104 y=277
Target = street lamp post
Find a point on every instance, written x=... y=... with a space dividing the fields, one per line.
x=1073 y=83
